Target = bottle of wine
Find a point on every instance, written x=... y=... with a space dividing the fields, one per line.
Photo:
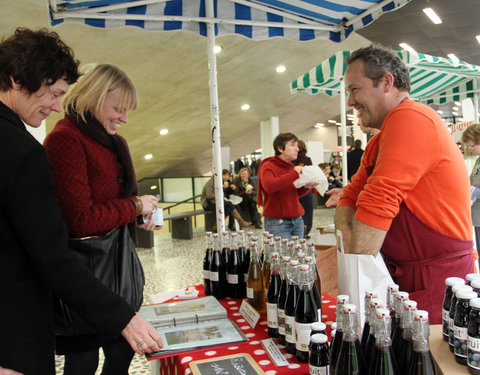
x=392 y=291
x=342 y=299
x=206 y=262
x=290 y=306
x=447 y=299
x=282 y=297
x=422 y=362
x=234 y=270
x=272 y=296
x=317 y=327
x=269 y=248
x=255 y=284
x=399 y=298
x=460 y=324
x=375 y=303
x=319 y=355
x=473 y=340
x=369 y=294
x=405 y=347
x=225 y=246
x=350 y=359
x=312 y=251
x=218 y=271
x=451 y=313
x=316 y=294
x=383 y=362
x=295 y=240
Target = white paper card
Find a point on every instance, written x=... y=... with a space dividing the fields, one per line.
x=275 y=354
x=249 y=313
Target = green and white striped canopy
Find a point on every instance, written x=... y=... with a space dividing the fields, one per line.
x=434 y=80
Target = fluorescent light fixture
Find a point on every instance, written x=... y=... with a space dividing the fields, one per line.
x=432 y=15
x=458 y=104
x=163 y=131
x=406 y=47
x=318 y=125
x=455 y=108
x=338 y=123
x=454 y=58
x=217 y=49
x=245 y=107
x=281 y=68
x=148 y=156
x=258 y=150
x=478 y=38
x=439 y=112
x=460 y=119
x=332 y=121
x=455 y=113
x=153 y=187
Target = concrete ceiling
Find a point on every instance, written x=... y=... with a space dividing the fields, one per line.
x=171 y=73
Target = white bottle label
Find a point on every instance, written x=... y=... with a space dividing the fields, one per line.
x=281 y=321
x=232 y=279
x=473 y=353
x=245 y=277
x=290 y=329
x=214 y=276
x=460 y=341
x=314 y=370
x=303 y=336
x=249 y=292
x=272 y=317
x=206 y=275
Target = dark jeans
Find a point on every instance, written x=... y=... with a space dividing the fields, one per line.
x=228 y=207
x=307 y=203
x=250 y=204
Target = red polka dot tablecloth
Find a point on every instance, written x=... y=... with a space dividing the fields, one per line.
x=178 y=363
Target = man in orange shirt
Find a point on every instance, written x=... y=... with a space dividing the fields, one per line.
x=410 y=197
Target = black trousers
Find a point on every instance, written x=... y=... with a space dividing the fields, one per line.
x=307 y=203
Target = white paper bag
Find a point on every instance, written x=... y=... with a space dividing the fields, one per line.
x=358 y=273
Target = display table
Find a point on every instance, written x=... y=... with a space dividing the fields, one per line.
x=443 y=356
x=178 y=364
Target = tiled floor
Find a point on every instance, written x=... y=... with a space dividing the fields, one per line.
x=175 y=264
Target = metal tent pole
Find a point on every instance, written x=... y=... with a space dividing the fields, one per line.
x=215 y=121
x=343 y=117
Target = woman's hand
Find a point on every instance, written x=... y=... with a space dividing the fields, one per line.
x=150 y=204
x=298 y=168
x=150 y=226
x=141 y=336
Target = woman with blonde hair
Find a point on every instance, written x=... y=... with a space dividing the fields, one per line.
x=97 y=191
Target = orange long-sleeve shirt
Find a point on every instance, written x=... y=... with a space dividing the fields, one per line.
x=417 y=163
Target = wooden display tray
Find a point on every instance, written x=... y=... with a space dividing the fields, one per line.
x=235 y=364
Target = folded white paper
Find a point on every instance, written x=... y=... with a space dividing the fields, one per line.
x=312 y=173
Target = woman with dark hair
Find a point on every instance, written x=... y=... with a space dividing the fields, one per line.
x=36 y=69
x=276 y=191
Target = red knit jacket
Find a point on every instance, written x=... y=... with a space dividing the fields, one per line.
x=87 y=179
x=276 y=192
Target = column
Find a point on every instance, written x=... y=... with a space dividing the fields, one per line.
x=269 y=129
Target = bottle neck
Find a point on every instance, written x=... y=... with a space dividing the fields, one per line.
x=350 y=329
x=383 y=328
x=421 y=332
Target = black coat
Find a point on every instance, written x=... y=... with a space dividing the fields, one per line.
x=35 y=260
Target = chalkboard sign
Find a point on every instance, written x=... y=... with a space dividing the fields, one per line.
x=236 y=364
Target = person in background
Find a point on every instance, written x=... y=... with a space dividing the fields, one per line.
x=307 y=200
x=208 y=200
x=97 y=190
x=354 y=157
x=336 y=175
x=399 y=201
x=471 y=139
x=277 y=193
x=247 y=189
x=36 y=69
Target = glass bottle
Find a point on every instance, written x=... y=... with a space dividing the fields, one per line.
x=317 y=327
x=469 y=277
x=290 y=250
x=234 y=270
x=375 y=303
x=460 y=324
x=342 y=299
x=206 y=262
x=305 y=313
x=319 y=363
x=272 y=296
x=350 y=359
x=290 y=306
x=384 y=362
x=392 y=291
x=295 y=240
x=267 y=265
x=255 y=284
x=245 y=262
x=312 y=251
x=225 y=246
x=475 y=284
x=369 y=294
x=399 y=298
x=447 y=299
x=282 y=297
x=316 y=294
x=404 y=352
x=265 y=251
x=284 y=247
x=218 y=271
x=451 y=313
x=473 y=334
x=422 y=362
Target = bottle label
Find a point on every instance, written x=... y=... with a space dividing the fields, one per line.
x=323 y=370
x=272 y=317
x=445 y=320
x=245 y=277
x=214 y=276
x=249 y=292
x=290 y=329
x=281 y=321
x=460 y=341
x=206 y=275
x=303 y=336
x=232 y=279
x=473 y=351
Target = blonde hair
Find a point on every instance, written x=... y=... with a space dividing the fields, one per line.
x=89 y=93
x=472 y=133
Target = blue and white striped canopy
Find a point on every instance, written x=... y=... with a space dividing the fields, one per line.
x=256 y=19
x=433 y=80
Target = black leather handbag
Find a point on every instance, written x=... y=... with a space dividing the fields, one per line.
x=113 y=259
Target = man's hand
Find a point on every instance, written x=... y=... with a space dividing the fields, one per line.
x=4 y=371
x=335 y=195
x=141 y=336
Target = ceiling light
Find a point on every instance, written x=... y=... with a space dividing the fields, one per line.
x=332 y=121
x=406 y=47
x=217 y=49
x=460 y=119
x=153 y=187
x=439 y=111
x=453 y=58
x=455 y=113
x=478 y=38
x=245 y=107
x=148 y=156
x=281 y=68
x=455 y=108
x=318 y=125
x=458 y=103
x=432 y=15
x=338 y=123
x=258 y=150
x=163 y=131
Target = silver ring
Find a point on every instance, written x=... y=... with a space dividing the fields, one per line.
x=154 y=209
x=140 y=343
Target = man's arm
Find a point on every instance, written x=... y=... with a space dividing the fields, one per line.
x=366 y=239
x=344 y=222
